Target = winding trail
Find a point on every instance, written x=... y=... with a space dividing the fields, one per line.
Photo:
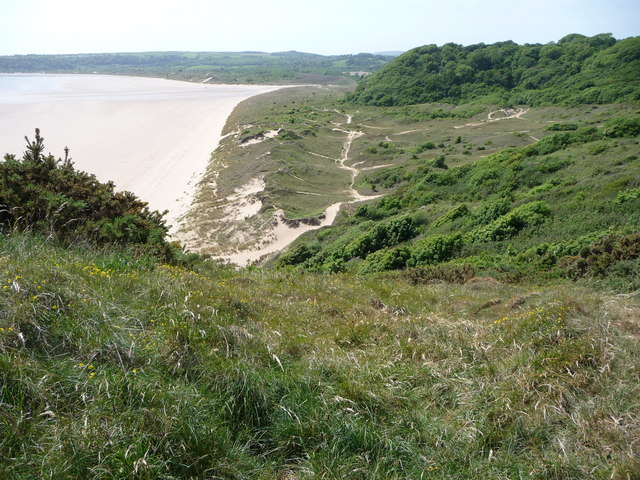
x=507 y=112
x=351 y=136
x=283 y=232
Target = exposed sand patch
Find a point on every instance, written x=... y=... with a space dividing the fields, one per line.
x=245 y=201
x=151 y=136
x=506 y=113
x=261 y=137
x=280 y=232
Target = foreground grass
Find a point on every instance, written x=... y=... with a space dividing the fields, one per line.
x=113 y=366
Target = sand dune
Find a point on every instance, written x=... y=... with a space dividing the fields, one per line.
x=151 y=136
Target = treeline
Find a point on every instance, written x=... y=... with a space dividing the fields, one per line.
x=575 y=70
x=223 y=66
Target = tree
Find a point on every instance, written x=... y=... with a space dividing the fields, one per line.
x=35 y=148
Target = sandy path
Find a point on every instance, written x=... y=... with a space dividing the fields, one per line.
x=507 y=112
x=283 y=232
x=151 y=136
x=280 y=236
x=407 y=131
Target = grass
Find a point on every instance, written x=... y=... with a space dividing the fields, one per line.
x=113 y=366
x=584 y=190
x=303 y=177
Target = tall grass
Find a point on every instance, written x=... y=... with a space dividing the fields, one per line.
x=115 y=366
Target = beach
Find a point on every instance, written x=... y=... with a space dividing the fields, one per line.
x=150 y=136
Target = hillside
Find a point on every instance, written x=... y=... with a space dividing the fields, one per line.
x=575 y=70
x=517 y=194
x=554 y=207
x=214 y=67
x=462 y=300
x=114 y=365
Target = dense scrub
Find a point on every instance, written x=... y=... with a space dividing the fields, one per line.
x=575 y=70
x=521 y=213
x=39 y=193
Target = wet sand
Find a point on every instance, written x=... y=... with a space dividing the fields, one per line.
x=151 y=136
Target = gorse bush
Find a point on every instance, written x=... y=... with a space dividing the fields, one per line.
x=387 y=259
x=383 y=235
x=46 y=195
x=508 y=225
x=428 y=251
x=435 y=249
x=599 y=258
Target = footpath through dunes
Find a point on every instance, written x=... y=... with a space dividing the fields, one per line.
x=290 y=161
x=243 y=231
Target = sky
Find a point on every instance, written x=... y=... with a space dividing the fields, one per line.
x=317 y=26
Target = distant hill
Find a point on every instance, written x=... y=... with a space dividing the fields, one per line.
x=575 y=70
x=394 y=53
x=216 y=67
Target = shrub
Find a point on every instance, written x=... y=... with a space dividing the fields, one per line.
x=597 y=259
x=490 y=210
x=385 y=207
x=387 y=259
x=562 y=127
x=383 y=235
x=439 y=162
x=298 y=254
x=508 y=225
x=47 y=195
x=425 y=146
x=628 y=196
x=456 y=212
x=622 y=127
x=556 y=142
x=435 y=249
x=288 y=135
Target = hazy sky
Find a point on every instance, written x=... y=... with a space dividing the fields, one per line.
x=317 y=26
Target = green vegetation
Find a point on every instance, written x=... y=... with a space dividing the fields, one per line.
x=114 y=365
x=218 y=67
x=575 y=70
x=528 y=212
x=43 y=194
x=478 y=318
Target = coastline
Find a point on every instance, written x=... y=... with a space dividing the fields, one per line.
x=240 y=231
x=151 y=136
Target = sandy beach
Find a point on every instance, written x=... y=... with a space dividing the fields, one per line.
x=151 y=136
